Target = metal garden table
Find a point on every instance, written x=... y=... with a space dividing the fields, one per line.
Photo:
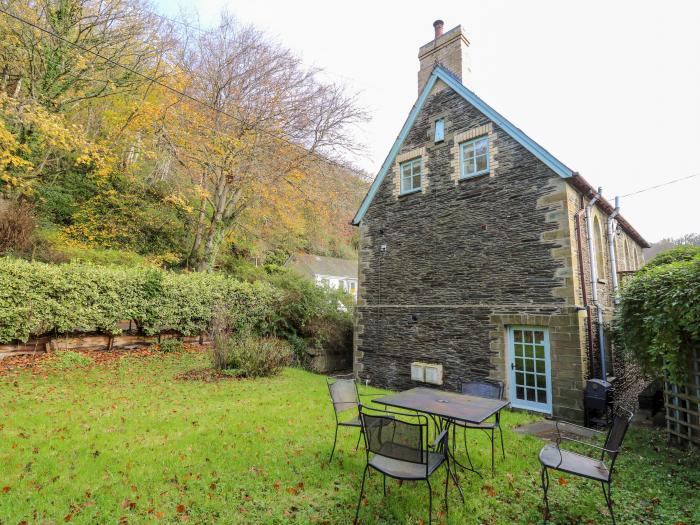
x=444 y=408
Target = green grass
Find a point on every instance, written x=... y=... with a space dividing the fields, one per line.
x=126 y=441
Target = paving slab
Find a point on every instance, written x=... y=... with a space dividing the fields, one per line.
x=547 y=429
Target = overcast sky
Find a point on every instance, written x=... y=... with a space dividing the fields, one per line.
x=612 y=89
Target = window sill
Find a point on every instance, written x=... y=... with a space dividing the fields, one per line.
x=602 y=281
x=475 y=176
x=405 y=193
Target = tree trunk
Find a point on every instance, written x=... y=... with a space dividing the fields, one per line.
x=199 y=232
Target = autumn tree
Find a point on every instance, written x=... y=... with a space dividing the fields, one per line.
x=265 y=121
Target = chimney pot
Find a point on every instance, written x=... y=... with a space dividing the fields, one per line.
x=438 y=25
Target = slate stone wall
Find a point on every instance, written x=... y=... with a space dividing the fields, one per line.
x=444 y=272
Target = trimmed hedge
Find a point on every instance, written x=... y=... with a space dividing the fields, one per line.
x=38 y=298
x=658 y=320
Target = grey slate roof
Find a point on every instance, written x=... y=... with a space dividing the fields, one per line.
x=311 y=265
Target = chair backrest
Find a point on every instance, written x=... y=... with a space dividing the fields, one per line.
x=483 y=388
x=343 y=394
x=403 y=439
x=616 y=434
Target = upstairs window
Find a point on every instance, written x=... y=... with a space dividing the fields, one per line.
x=411 y=176
x=599 y=247
x=475 y=157
x=440 y=130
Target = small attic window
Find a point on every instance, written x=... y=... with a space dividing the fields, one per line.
x=440 y=130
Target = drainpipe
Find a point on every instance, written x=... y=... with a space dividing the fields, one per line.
x=582 y=272
x=611 y=248
x=594 y=283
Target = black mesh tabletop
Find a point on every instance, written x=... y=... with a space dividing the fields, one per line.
x=448 y=405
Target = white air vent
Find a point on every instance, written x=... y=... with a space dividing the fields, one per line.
x=418 y=372
x=433 y=374
x=426 y=373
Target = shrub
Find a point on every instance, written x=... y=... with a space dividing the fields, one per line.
x=171 y=345
x=685 y=252
x=246 y=355
x=37 y=298
x=305 y=314
x=658 y=320
x=16 y=226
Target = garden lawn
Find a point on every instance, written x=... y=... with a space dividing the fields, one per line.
x=127 y=442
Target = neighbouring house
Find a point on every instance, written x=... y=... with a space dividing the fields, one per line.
x=482 y=255
x=336 y=273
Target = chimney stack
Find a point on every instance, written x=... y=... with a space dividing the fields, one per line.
x=450 y=50
x=438 y=25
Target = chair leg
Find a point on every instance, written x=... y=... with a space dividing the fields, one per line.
x=608 y=499
x=493 y=465
x=466 y=447
x=430 y=502
x=362 y=489
x=335 y=439
x=384 y=483
x=545 y=488
x=358 y=440
x=503 y=449
x=447 y=484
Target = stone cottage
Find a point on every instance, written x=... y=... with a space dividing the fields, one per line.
x=482 y=255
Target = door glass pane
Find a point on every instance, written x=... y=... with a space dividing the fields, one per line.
x=528 y=336
x=517 y=335
x=529 y=365
x=529 y=380
x=519 y=378
x=520 y=364
x=541 y=396
x=519 y=392
x=529 y=352
x=531 y=394
x=539 y=337
x=518 y=350
x=539 y=365
x=539 y=351
x=541 y=381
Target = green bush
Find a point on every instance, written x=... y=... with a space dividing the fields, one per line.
x=38 y=298
x=685 y=252
x=658 y=320
x=309 y=315
x=246 y=355
x=171 y=345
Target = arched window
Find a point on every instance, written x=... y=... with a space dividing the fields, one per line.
x=599 y=253
x=626 y=262
x=636 y=259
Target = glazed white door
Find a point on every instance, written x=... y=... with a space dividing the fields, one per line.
x=530 y=368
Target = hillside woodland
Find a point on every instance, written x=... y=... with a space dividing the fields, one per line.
x=132 y=139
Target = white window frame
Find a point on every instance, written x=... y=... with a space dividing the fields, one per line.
x=440 y=130
x=523 y=403
x=462 y=148
x=409 y=178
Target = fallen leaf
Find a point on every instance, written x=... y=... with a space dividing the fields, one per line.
x=180 y=508
x=5 y=489
x=563 y=482
x=277 y=485
x=489 y=490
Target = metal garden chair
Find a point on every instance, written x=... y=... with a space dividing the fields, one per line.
x=491 y=390
x=397 y=446
x=552 y=456
x=346 y=399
